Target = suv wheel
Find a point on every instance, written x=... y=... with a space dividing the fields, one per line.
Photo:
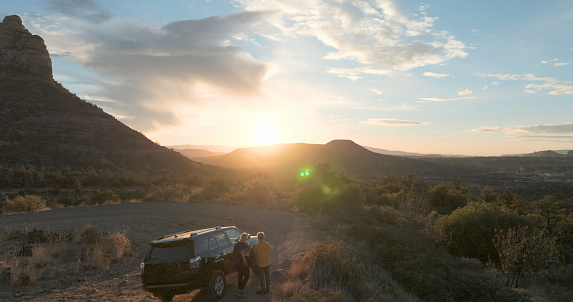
x=217 y=285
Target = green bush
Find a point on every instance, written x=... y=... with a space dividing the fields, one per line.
x=19 y=204
x=104 y=196
x=427 y=270
x=470 y=231
x=169 y=193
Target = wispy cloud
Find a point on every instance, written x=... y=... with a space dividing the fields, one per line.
x=554 y=62
x=355 y=74
x=154 y=72
x=391 y=122
x=486 y=129
x=539 y=129
x=88 y=10
x=465 y=92
x=435 y=75
x=378 y=92
x=369 y=32
x=555 y=86
x=559 y=129
x=465 y=98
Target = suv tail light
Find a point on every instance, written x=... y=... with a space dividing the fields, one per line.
x=142 y=266
x=195 y=262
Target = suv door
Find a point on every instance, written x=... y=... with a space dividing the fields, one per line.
x=226 y=250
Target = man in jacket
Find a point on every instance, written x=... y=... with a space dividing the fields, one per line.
x=262 y=251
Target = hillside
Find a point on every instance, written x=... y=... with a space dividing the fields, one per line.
x=197 y=153
x=44 y=125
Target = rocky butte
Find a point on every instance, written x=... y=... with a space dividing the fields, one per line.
x=22 y=55
x=42 y=124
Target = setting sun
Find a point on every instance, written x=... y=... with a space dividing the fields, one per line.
x=265 y=134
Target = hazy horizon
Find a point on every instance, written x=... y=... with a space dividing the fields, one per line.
x=477 y=79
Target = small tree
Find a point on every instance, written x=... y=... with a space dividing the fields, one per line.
x=470 y=231
x=523 y=251
x=28 y=203
x=259 y=191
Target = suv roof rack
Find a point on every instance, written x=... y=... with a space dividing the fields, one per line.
x=173 y=235
x=195 y=233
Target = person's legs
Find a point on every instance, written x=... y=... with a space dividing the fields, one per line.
x=243 y=276
x=267 y=270
x=260 y=272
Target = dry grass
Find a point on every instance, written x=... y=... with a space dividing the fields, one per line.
x=87 y=249
x=336 y=272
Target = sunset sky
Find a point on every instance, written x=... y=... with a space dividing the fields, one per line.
x=450 y=77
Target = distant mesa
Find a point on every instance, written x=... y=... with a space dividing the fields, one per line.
x=547 y=153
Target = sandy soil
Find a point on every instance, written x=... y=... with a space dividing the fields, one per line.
x=289 y=234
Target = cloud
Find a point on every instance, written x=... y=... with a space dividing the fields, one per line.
x=391 y=122
x=154 y=72
x=542 y=129
x=465 y=92
x=486 y=129
x=88 y=10
x=554 y=62
x=425 y=100
x=556 y=87
x=560 y=129
x=378 y=92
x=516 y=77
x=435 y=75
x=369 y=32
x=355 y=74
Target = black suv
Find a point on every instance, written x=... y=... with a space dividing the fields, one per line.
x=182 y=262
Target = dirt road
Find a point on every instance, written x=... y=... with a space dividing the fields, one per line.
x=289 y=234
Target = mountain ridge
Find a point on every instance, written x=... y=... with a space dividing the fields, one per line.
x=43 y=124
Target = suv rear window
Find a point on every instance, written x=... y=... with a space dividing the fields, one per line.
x=181 y=249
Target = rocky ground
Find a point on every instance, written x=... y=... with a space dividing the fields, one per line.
x=290 y=235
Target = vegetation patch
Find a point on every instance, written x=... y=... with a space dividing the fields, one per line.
x=40 y=255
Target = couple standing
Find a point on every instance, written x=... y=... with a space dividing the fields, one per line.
x=261 y=252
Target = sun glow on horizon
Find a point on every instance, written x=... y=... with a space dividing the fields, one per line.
x=265 y=134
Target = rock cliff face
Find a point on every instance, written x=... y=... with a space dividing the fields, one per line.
x=22 y=55
x=42 y=124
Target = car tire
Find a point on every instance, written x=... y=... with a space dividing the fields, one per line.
x=217 y=286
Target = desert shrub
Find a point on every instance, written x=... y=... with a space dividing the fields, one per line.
x=104 y=197
x=427 y=270
x=28 y=203
x=116 y=246
x=90 y=234
x=258 y=191
x=351 y=194
x=385 y=215
x=63 y=254
x=168 y=193
x=216 y=188
x=523 y=251
x=470 y=231
x=445 y=199
x=319 y=189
